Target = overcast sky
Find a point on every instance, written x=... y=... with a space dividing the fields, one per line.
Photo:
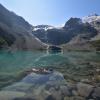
x=52 y=12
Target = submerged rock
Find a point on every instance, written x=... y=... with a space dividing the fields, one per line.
x=84 y=89
x=10 y=95
x=66 y=91
x=50 y=98
x=96 y=93
x=37 y=87
x=23 y=99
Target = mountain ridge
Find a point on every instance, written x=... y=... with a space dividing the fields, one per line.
x=17 y=33
x=12 y=25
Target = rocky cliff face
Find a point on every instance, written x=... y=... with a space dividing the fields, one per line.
x=83 y=32
x=16 y=33
x=94 y=20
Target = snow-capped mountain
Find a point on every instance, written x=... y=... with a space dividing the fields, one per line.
x=60 y=35
x=42 y=27
x=91 y=18
x=17 y=33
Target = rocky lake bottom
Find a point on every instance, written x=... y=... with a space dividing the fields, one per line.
x=76 y=75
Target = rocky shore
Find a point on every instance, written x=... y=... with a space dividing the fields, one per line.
x=49 y=86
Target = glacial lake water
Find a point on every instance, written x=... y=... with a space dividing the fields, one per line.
x=72 y=64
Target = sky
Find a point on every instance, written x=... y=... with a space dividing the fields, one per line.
x=51 y=12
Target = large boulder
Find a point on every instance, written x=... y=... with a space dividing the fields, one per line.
x=96 y=93
x=84 y=90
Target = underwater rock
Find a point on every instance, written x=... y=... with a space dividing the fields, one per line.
x=50 y=98
x=86 y=81
x=23 y=99
x=74 y=92
x=10 y=95
x=96 y=93
x=37 y=87
x=65 y=91
x=84 y=89
x=74 y=98
x=49 y=86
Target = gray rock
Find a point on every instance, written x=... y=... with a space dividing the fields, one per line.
x=74 y=98
x=85 y=81
x=50 y=98
x=65 y=91
x=39 y=86
x=74 y=92
x=56 y=94
x=10 y=95
x=96 y=93
x=84 y=89
x=23 y=99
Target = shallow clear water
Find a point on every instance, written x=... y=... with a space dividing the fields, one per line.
x=11 y=62
x=72 y=63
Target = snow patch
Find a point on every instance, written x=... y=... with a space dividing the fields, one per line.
x=91 y=18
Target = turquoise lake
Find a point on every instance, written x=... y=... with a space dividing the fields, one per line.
x=71 y=64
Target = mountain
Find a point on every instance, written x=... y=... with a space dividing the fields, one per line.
x=94 y=20
x=89 y=39
x=52 y=35
x=73 y=27
x=42 y=27
x=91 y=18
x=77 y=33
x=16 y=33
